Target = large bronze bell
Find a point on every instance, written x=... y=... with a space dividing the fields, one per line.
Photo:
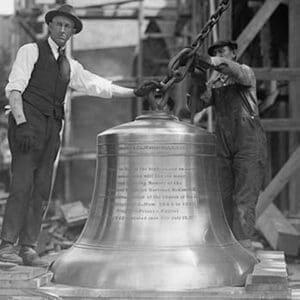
x=156 y=220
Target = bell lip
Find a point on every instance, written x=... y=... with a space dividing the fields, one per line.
x=157 y=115
x=236 y=260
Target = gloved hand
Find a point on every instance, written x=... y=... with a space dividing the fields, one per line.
x=202 y=61
x=146 y=87
x=25 y=137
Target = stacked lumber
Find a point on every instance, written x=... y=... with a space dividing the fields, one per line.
x=270 y=274
x=17 y=282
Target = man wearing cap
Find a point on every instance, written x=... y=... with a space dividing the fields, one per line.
x=36 y=90
x=241 y=140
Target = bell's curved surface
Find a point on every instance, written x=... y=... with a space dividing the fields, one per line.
x=156 y=220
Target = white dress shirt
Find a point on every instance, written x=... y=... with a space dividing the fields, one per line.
x=81 y=80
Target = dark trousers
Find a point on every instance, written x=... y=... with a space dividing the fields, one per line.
x=242 y=155
x=31 y=178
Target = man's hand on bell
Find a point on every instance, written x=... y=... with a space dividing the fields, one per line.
x=25 y=137
x=146 y=87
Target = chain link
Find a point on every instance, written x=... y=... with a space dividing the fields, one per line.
x=177 y=71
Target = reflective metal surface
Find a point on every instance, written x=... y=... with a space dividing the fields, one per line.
x=156 y=220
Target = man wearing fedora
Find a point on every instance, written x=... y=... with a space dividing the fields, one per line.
x=241 y=140
x=36 y=90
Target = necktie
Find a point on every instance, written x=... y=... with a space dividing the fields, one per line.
x=63 y=65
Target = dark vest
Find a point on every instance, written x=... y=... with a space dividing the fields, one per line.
x=46 y=90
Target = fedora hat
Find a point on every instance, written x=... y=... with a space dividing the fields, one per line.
x=231 y=44
x=66 y=11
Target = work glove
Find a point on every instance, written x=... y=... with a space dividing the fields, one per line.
x=202 y=61
x=146 y=87
x=25 y=137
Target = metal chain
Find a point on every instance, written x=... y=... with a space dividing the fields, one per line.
x=213 y=20
x=177 y=71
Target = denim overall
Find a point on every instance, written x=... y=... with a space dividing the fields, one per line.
x=241 y=152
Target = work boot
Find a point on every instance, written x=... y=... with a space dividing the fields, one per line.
x=8 y=254
x=31 y=258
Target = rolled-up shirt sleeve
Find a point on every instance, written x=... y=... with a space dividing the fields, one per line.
x=22 y=68
x=86 y=82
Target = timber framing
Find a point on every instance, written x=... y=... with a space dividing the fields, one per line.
x=288 y=74
x=292 y=75
x=256 y=25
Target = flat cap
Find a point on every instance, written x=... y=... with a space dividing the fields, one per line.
x=222 y=43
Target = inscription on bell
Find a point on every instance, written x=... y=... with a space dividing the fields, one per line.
x=158 y=194
x=149 y=191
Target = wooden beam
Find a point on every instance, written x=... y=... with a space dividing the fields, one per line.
x=225 y=24
x=256 y=24
x=288 y=74
x=278 y=182
x=281 y=124
x=294 y=94
x=277 y=230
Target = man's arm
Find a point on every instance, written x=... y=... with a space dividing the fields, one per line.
x=121 y=92
x=22 y=68
x=88 y=83
x=18 y=79
x=91 y=84
x=239 y=73
x=16 y=104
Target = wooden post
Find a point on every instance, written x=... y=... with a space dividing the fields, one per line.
x=294 y=95
x=256 y=24
x=288 y=171
x=225 y=24
x=137 y=103
x=212 y=10
x=67 y=137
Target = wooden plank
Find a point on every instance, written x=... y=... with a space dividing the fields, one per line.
x=280 y=234
x=22 y=297
x=266 y=287
x=278 y=182
x=27 y=284
x=13 y=292
x=294 y=95
x=216 y=293
x=277 y=73
x=74 y=213
x=264 y=255
x=295 y=294
x=256 y=24
x=22 y=273
x=295 y=222
x=281 y=124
